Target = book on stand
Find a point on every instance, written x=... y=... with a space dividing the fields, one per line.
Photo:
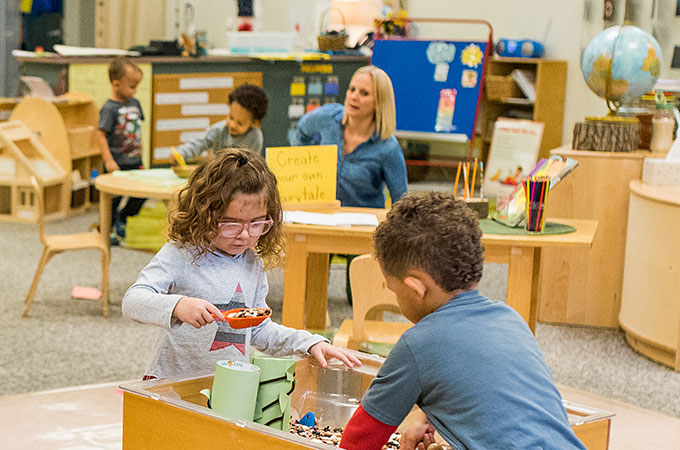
x=511 y=211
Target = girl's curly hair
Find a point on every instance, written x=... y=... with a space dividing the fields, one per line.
x=435 y=233
x=212 y=186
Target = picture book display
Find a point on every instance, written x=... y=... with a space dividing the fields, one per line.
x=515 y=145
x=511 y=211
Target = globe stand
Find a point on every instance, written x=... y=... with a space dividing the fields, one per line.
x=613 y=106
x=620 y=64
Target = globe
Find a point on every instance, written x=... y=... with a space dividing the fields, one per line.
x=621 y=64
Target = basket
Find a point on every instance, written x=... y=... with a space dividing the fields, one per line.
x=332 y=40
x=499 y=87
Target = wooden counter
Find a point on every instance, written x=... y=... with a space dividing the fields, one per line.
x=650 y=306
x=275 y=73
x=583 y=286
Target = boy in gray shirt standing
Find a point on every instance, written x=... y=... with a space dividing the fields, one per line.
x=119 y=135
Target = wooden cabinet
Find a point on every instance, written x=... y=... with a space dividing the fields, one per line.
x=650 y=310
x=550 y=85
x=185 y=105
x=584 y=286
x=66 y=127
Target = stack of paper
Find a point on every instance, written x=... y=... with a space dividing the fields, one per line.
x=336 y=219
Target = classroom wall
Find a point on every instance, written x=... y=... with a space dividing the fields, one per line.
x=572 y=24
x=78 y=23
x=216 y=17
x=530 y=19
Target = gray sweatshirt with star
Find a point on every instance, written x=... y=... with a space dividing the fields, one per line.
x=217 y=137
x=227 y=282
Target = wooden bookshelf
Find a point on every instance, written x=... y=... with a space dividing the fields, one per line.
x=66 y=127
x=551 y=82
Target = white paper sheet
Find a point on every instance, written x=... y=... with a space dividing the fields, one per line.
x=336 y=219
x=68 y=50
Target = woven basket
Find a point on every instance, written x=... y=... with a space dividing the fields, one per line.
x=332 y=40
x=499 y=87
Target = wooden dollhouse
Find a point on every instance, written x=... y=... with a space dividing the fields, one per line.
x=21 y=156
x=65 y=127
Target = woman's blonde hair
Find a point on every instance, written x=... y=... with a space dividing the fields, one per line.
x=383 y=93
x=212 y=186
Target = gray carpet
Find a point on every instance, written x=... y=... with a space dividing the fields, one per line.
x=67 y=342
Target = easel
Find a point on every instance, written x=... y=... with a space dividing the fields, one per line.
x=416 y=93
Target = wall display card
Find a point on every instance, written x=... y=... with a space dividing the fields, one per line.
x=199 y=123
x=178 y=98
x=206 y=82
x=205 y=109
x=186 y=136
x=305 y=174
x=514 y=151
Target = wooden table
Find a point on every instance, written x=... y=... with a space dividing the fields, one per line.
x=137 y=185
x=306 y=267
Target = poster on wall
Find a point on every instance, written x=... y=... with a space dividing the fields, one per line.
x=438 y=90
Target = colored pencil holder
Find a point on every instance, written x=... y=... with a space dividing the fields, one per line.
x=537 y=196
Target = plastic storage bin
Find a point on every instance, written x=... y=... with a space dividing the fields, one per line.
x=260 y=41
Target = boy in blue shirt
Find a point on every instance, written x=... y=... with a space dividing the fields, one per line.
x=471 y=364
x=119 y=134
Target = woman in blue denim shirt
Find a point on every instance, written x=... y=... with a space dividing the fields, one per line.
x=369 y=156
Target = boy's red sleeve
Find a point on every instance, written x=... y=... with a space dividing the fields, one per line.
x=365 y=432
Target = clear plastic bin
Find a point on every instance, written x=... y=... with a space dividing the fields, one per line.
x=260 y=41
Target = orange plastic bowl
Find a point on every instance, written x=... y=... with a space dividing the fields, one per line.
x=244 y=322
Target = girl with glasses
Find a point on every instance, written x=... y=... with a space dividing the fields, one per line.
x=225 y=229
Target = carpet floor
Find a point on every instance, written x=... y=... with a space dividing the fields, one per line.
x=66 y=342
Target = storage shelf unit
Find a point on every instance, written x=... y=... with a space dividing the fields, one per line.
x=66 y=127
x=551 y=81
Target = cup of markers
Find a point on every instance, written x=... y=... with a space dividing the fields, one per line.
x=536 y=194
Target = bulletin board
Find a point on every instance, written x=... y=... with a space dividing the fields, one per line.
x=438 y=90
x=184 y=105
x=437 y=81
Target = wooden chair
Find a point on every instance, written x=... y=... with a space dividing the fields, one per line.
x=371 y=299
x=57 y=243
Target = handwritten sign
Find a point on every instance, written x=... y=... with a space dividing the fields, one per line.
x=305 y=174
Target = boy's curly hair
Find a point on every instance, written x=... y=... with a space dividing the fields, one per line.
x=252 y=98
x=212 y=186
x=435 y=233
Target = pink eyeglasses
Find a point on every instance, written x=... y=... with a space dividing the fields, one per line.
x=255 y=229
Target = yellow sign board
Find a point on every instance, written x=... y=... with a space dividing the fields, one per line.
x=305 y=174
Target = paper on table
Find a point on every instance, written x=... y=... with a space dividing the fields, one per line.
x=337 y=219
x=356 y=219
x=69 y=50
